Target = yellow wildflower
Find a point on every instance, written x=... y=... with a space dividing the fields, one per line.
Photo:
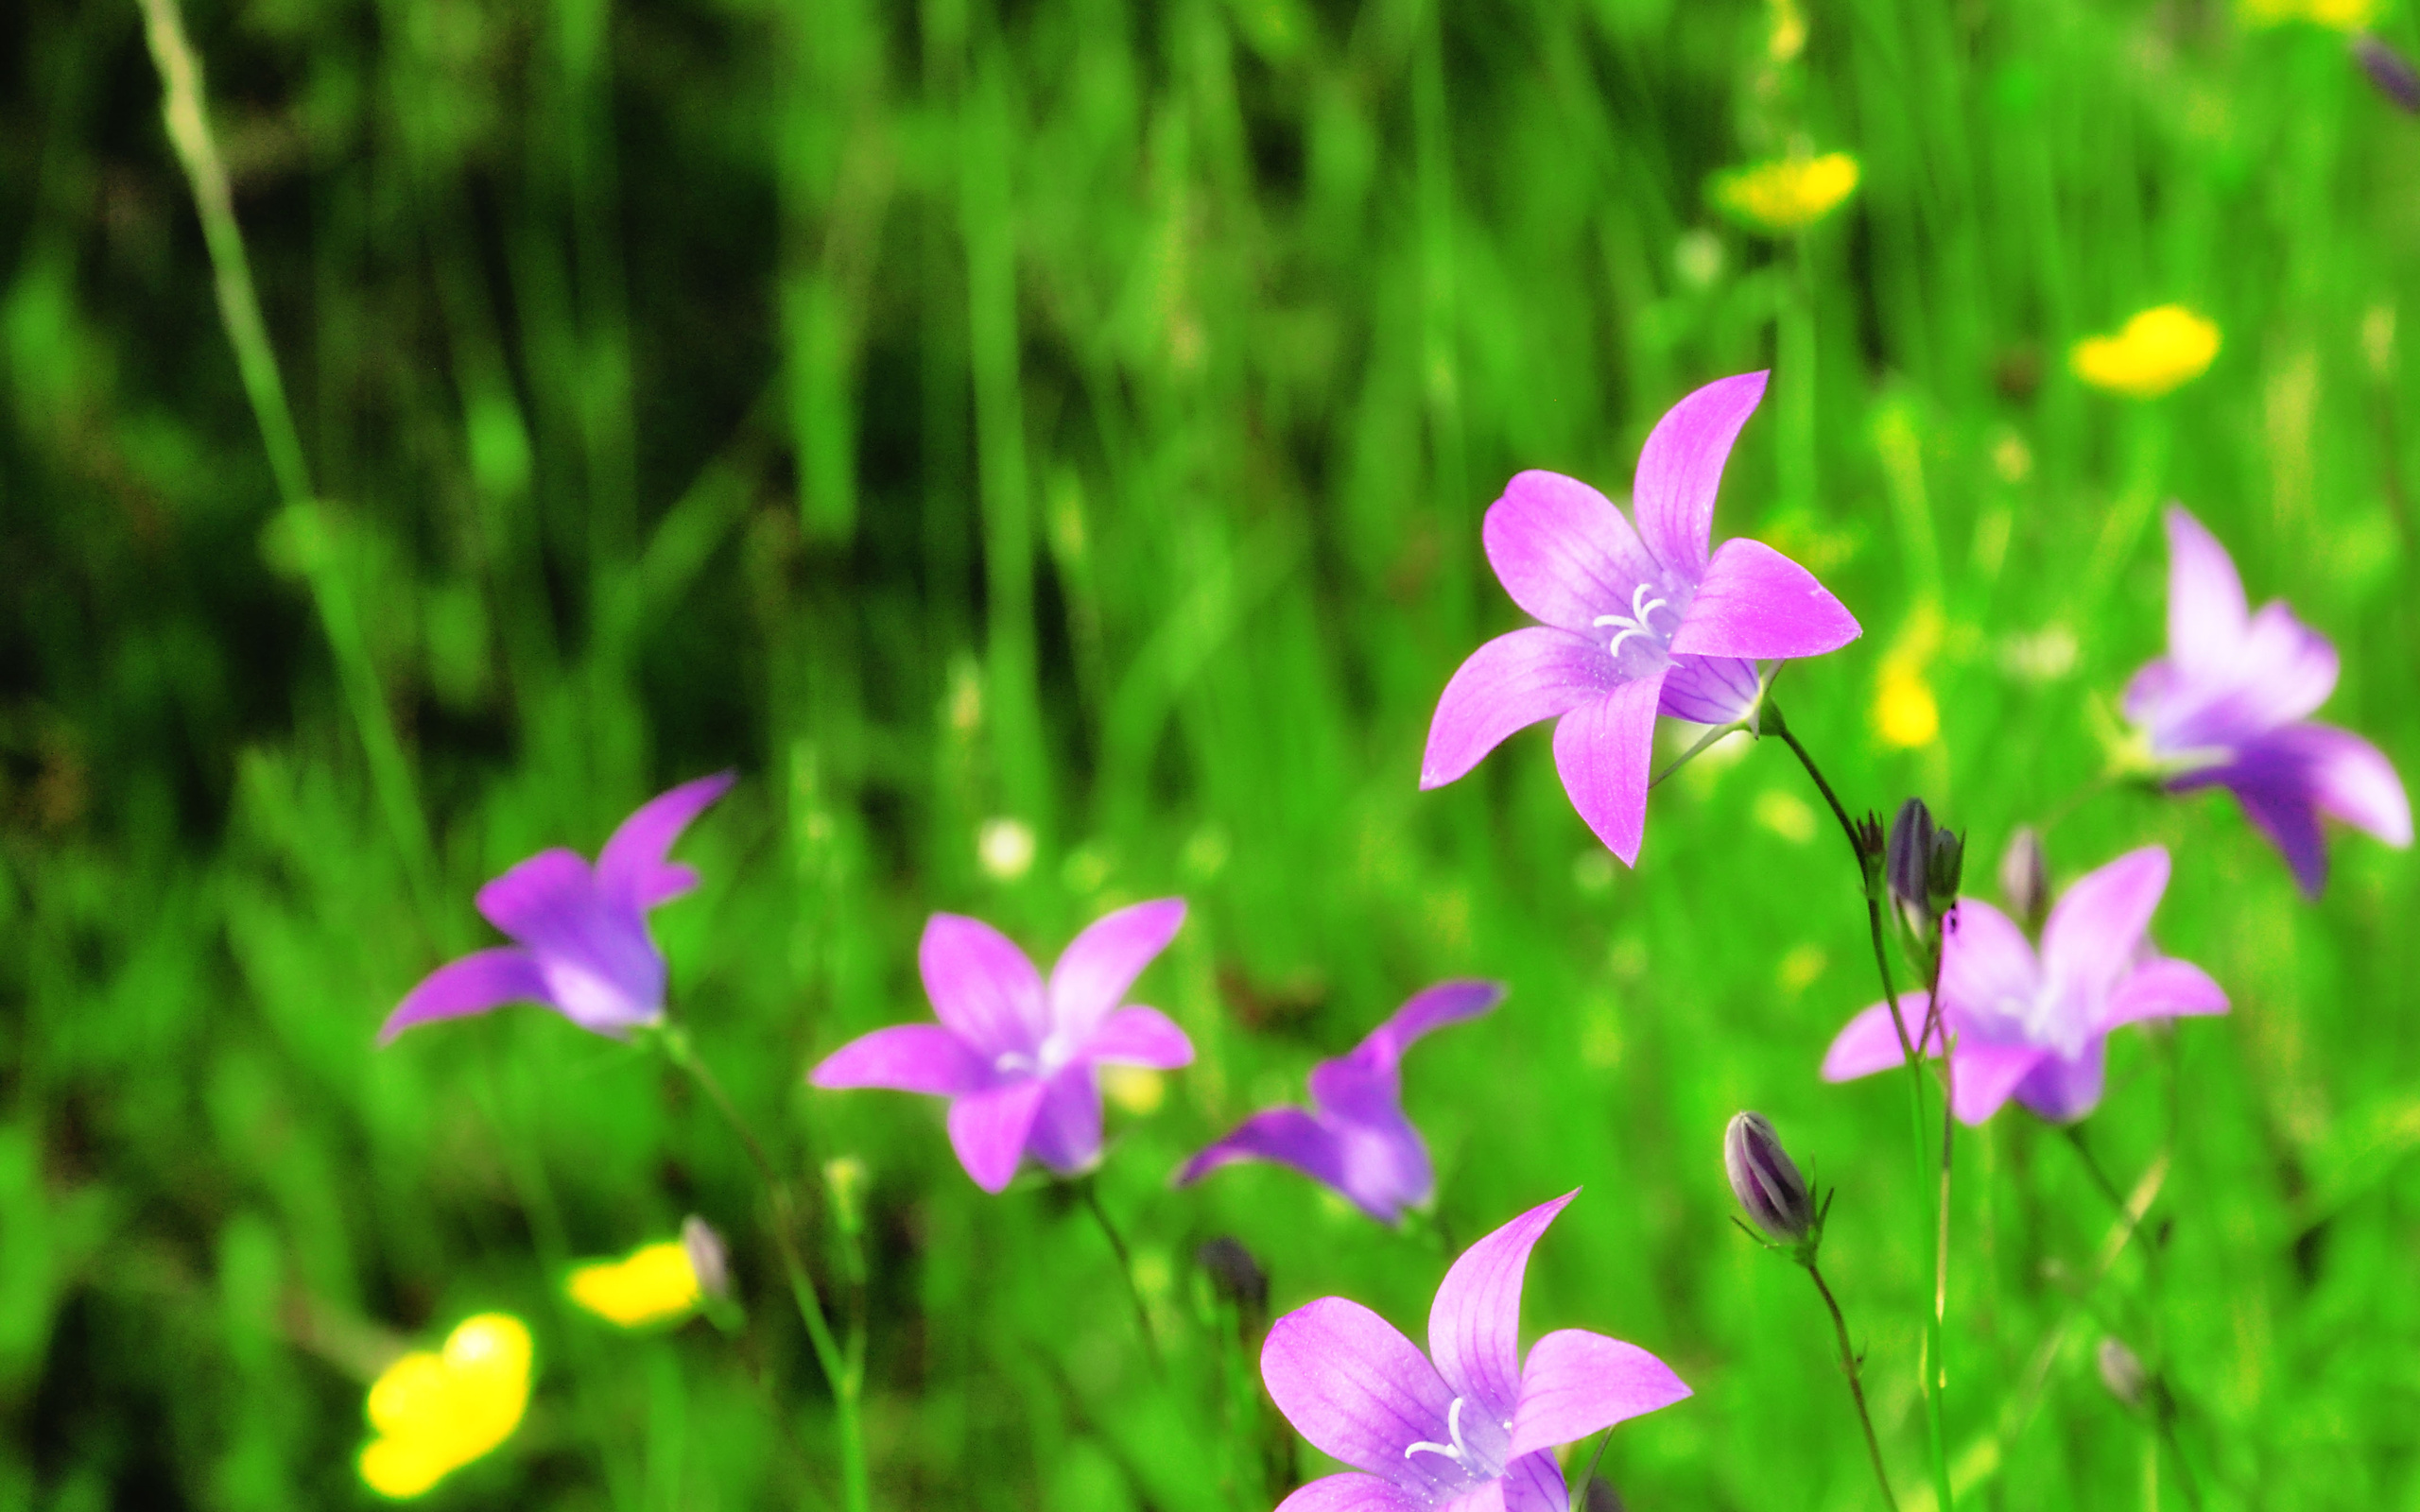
x=654 y=1282
x=2159 y=350
x=1905 y=711
x=436 y=1413
x=1138 y=1090
x=2344 y=15
x=1787 y=194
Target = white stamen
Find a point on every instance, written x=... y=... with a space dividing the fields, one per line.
x=1012 y=1061
x=1457 y=1452
x=1633 y=623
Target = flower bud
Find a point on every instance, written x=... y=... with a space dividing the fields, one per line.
x=1234 y=1275
x=708 y=1260
x=2122 y=1373
x=2389 y=70
x=1925 y=865
x=1601 y=1496
x=2025 y=879
x=1766 y=1181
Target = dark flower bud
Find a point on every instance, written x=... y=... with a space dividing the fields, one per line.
x=708 y=1260
x=2122 y=1373
x=1234 y=1275
x=2025 y=879
x=1766 y=1181
x=1601 y=1496
x=1925 y=865
x=2389 y=70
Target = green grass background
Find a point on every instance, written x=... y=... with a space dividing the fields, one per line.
x=1083 y=411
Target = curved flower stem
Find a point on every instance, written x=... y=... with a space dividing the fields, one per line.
x=1851 y=1368
x=1868 y=856
x=845 y=1371
x=1091 y=1192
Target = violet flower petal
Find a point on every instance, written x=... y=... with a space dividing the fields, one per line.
x=476 y=983
x=2097 y=927
x=1100 y=965
x=1066 y=1129
x=1140 y=1036
x=2164 y=989
x=909 y=1058
x=1509 y=683
x=988 y=1129
x=2288 y=778
x=1432 y=1009
x=1288 y=1135
x=1985 y=1075
x=1348 y=1492
x=1710 y=690
x=530 y=901
x=1869 y=1044
x=2351 y=780
x=982 y=986
x=631 y=870
x=2206 y=609
x=1531 y=1482
x=602 y=970
x=1986 y=960
x=1603 y=750
x=1679 y=470
x=1354 y=1387
x=1755 y=602
x=2062 y=1089
x=1576 y=1384
x=1475 y=1323
x=1564 y=553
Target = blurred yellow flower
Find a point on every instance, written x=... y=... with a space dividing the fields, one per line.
x=1787 y=192
x=2159 y=350
x=436 y=1413
x=1905 y=712
x=654 y=1282
x=1138 y=1090
x=2344 y=15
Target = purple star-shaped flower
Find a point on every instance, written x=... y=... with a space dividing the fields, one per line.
x=580 y=944
x=2224 y=708
x=1016 y=1056
x=1355 y=1137
x=2036 y=1027
x=1469 y=1426
x=1637 y=621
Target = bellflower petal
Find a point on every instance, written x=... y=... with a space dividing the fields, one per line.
x=631 y=870
x=476 y=983
x=1510 y=683
x=1432 y=1009
x=1755 y=602
x=1562 y=551
x=1100 y=965
x=2164 y=989
x=2288 y=779
x=1351 y=1492
x=2351 y=780
x=2206 y=609
x=1603 y=749
x=1576 y=1384
x=1140 y=1036
x=988 y=1129
x=1986 y=1074
x=2095 y=929
x=1869 y=1044
x=1066 y=1131
x=1679 y=470
x=909 y=1058
x=982 y=986
x=1475 y=1324
x=1710 y=690
x=2062 y=1089
x=1986 y=961
x=1532 y=1483
x=1288 y=1135
x=1353 y=1385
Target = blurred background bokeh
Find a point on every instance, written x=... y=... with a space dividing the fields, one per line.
x=1040 y=444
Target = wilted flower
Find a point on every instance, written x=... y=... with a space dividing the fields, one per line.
x=1016 y=1057
x=435 y=1413
x=2025 y=878
x=1355 y=1137
x=2034 y=1026
x=1471 y=1423
x=2159 y=350
x=2224 y=708
x=1637 y=621
x=1765 y=1179
x=651 y=1284
x=1787 y=194
x=582 y=945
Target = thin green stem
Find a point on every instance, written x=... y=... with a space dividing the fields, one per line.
x=1851 y=1368
x=1090 y=1191
x=1589 y=1476
x=843 y=1370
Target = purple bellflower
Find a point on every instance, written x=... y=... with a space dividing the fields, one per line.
x=2034 y=1026
x=2224 y=708
x=1637 y=621
x=1470 y=1426
x=580 y=944
x=1354 y=1138
x=1015 y=1056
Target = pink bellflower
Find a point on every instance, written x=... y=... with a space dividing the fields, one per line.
x=2224 y=709
x=580 y=942
x=2036 y=1026
x=1355 y=1137
x=1471 y=1425
x=1637 y=621
x=1013 y=1054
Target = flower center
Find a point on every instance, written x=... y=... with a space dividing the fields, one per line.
x=1046 y=1060
x=1459 y=1449
x=1634 y=623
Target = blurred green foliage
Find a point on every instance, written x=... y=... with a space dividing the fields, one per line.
x=1081 y=412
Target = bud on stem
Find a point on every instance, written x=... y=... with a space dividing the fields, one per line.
x=1765 y=1181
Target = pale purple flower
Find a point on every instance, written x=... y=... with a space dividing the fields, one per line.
x=1015 y=1056
x=1636 y=621
x=1355 y=1137
x=2036 y=1027
x=580 y=943
x=2224 y=708
x=1470 y=1426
